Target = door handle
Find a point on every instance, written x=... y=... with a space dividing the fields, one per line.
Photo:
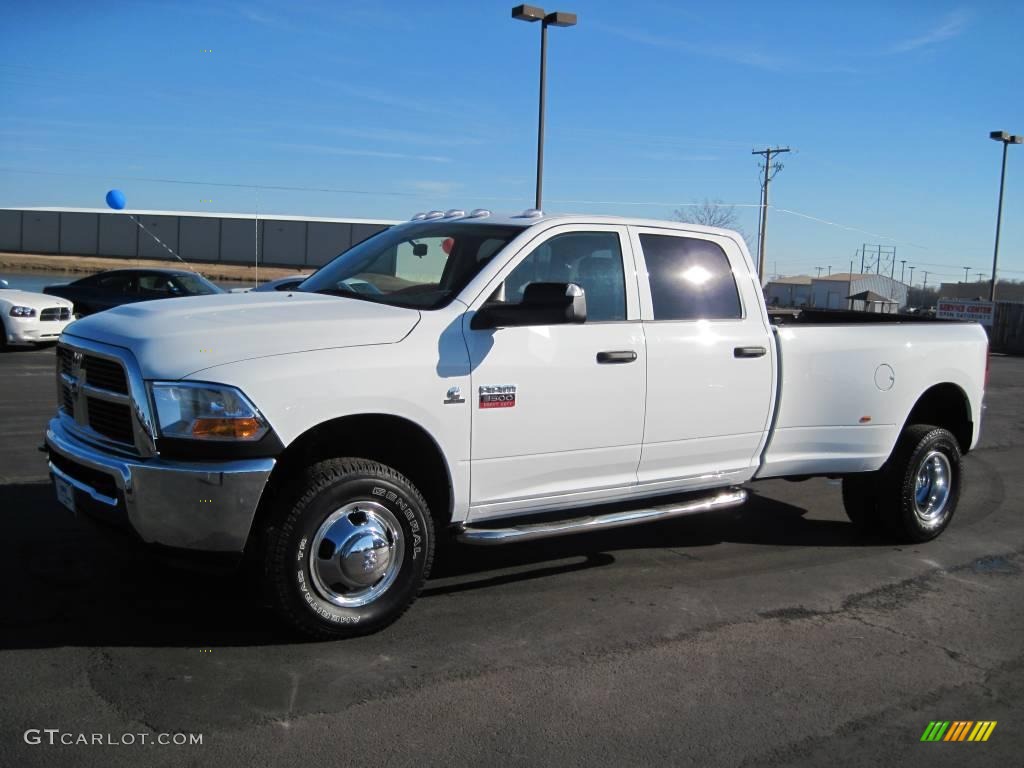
x=611 y=358
x=749 y=352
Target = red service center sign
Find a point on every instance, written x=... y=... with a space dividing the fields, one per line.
x=965 y=309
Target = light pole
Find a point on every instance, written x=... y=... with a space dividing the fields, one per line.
x=912 y=268
x=1007 y=140
x=554 y=19
x=903 y=268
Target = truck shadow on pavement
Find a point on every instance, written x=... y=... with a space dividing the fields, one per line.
x=65 y=584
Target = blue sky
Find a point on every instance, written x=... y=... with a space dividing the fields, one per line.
x=380 y=110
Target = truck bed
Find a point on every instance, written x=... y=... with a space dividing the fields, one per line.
x=845 y=390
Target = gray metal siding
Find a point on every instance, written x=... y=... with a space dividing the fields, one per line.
x=79 y=233
x=282 y=242
x=362 y=231
x=200 y=239
x=325 y=241
x=285 y=242
x=10 y=230
x=40 y=232
x=238 y=241
x=118 y=235
x=163 y=227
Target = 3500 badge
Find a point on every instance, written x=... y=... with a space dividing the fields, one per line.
x=502 y=396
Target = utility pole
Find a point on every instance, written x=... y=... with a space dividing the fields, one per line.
x=903 y=269
x=769 y=173
x=912 y=268
x=924 y=287
x=819 y=271
x=967 y=271
x=862 y=250
x=830 y=270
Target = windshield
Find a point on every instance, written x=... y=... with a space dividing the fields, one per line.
x=197 y=285
x=423 y=267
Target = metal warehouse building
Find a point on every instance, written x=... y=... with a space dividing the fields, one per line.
x=232 y=238
x=834 y=292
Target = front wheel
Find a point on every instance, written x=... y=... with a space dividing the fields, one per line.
x=348 y=550
x=915 y=494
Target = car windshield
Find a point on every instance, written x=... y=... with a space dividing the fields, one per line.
x=197 y=285
x=422 y=266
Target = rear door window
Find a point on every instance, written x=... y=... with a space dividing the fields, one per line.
x=691 y=279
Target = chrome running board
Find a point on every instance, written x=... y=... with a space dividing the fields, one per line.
x=466 y=534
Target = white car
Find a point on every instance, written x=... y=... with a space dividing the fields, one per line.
x=32 y=318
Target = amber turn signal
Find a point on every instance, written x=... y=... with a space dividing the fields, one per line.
x=228 y=429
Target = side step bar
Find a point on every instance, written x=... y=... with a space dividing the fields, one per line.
x=732 y=497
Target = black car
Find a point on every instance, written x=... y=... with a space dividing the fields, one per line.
x=126 y=286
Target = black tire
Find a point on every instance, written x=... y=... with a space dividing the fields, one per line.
x=888 y=500
x=325 y=489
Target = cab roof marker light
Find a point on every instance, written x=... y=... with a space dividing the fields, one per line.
x=479 y=213
x=434 y=215
x=418 y=217
x=454 y=213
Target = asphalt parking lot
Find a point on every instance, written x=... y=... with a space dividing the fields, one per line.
x=770 y=635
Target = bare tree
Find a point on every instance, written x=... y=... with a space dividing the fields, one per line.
x=711 y=213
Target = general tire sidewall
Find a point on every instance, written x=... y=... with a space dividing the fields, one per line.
x=412 y=518
x=939 y=440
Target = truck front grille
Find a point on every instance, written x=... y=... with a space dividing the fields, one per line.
x=64 y=359
x=105 y=374
x=113 y=420
x=94 y=391
x=51 y=314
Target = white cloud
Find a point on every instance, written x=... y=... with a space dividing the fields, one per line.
x=327 y=149
x=951 y=25
x=431 y=187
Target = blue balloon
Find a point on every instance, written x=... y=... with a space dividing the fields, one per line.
x=115 y=199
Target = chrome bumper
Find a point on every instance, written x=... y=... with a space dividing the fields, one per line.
x=198 y=506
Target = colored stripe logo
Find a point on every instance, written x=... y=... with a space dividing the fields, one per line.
x=958 y=730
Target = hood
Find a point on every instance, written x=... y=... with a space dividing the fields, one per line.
x=172 y=338
x=29 y=299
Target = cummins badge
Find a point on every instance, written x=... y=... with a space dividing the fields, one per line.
x=501 y=396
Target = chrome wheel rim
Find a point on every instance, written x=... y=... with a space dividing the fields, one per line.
x=356 y=554
x=932 y=487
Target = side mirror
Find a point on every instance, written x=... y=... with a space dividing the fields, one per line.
x=542 y=304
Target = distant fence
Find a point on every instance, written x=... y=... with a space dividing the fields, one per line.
x=287 y=241
x=1007 y=331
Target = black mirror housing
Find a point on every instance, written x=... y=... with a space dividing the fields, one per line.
x=542 y=304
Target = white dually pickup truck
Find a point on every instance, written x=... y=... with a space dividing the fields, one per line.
x=498 y=379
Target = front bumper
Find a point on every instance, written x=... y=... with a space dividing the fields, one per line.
x=201 y=506
x=31 y=330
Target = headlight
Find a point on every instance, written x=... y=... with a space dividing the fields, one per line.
x=206 y=412
x=22 y=312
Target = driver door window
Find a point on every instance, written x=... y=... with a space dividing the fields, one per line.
x=591 y=260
